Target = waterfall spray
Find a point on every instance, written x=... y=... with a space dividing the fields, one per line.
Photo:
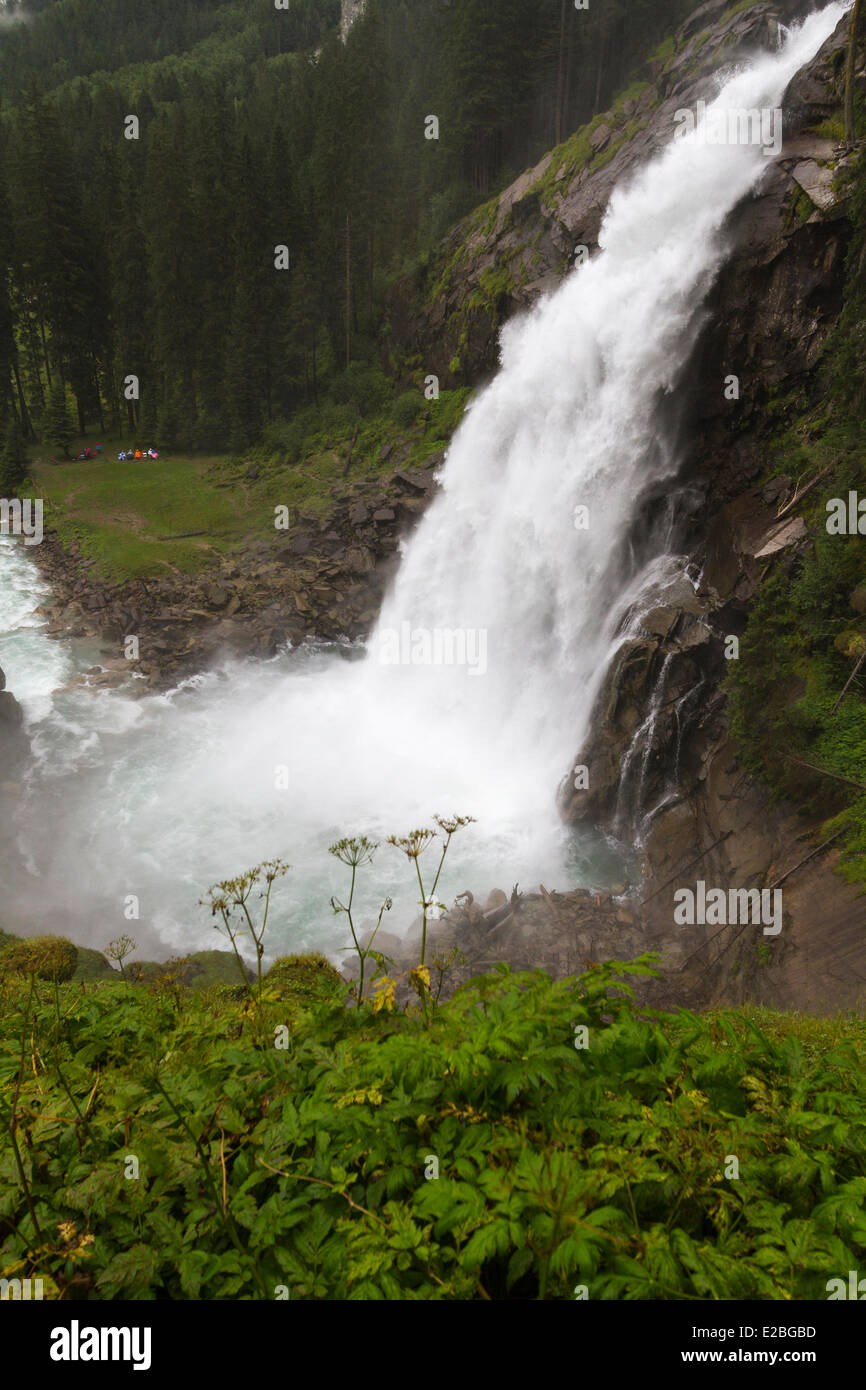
x=522 y=556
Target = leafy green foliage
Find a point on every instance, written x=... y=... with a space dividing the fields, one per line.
x=305 y=980
x=309 y=1166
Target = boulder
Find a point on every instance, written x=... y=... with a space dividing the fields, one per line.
x=11 y=713
x=600 y=138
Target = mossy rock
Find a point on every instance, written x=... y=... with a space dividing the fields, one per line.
x=306 y=980
x=93 y=965
x=208 y=968
x=48 y=957
x=199 y=971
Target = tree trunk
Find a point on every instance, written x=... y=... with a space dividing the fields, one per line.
x=601 y=60
x=560 y=77
x=26 y=427
x=569 y=65
x=348 y=293
x=45 y=353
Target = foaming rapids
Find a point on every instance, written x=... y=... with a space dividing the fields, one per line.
x=520 y=571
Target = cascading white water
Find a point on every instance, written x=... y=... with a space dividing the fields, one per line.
x=38 y=665
x=159 y=797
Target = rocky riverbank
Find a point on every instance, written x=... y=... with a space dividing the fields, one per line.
x=563 y=933
x=324 y=578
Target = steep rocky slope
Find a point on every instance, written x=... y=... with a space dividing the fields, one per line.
x=662 y=712
x=664 y=767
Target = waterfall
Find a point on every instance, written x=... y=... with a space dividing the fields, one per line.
x=479 y=680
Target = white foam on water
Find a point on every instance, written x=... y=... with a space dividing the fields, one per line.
x=161 y=796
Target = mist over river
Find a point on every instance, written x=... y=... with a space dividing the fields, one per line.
x=527 y=543
x=159 y=796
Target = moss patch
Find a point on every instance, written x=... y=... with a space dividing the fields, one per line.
x=305 y=980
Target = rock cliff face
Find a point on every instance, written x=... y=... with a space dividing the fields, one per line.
x=662 y=765
x=499 y=260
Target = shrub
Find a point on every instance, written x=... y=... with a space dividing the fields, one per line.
x=365 y=387
x=407 y=408
x=47 y=957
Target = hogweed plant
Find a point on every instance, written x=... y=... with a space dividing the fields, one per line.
x=443 y=964
x=413 y=846
x=119 y=949
x=230 y=901
x=355 y=853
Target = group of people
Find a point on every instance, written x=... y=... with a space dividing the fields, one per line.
x=91 y=453
x=137 y=454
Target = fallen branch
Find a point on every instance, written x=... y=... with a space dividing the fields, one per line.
x=810 y=855
x=554 y=907
x=787 y=874
x=705 y=944
x=798 y=495
x=847 y=683
x=823 y=772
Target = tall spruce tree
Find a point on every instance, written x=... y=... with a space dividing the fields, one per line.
x=58 y=429
x=13 y=457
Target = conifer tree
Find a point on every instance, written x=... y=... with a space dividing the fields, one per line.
x=13 y=458
x=58 y=430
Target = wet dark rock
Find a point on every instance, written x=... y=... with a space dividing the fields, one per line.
x=11 y=713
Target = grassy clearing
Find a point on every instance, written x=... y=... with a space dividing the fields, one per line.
x=135 y=519
x=180 y=513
